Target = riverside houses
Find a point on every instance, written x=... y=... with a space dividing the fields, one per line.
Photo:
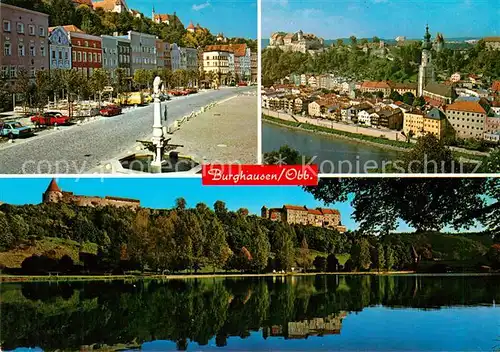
x=110 y=54
x=24 y=41
x=143 y=54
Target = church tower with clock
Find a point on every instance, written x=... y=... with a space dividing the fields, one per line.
x=426 y=70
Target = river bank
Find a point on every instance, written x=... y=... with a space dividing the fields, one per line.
x=65 y=278
x=383 y=143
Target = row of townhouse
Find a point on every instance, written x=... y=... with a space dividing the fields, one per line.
x=229 y=62
x=28 y=43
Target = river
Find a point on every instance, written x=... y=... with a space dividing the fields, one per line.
x=323 y=312
x=333 y=154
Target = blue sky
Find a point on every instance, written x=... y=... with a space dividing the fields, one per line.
x=162 y=193
x=235 y=18
x=384 y=18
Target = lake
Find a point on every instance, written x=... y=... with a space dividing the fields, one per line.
x=323 y=312
x=333 y=154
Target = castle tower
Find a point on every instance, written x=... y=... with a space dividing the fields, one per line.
x=426 y=70
x=53 y=194
x=264 y=212
x=300 y=35
x=153 y=14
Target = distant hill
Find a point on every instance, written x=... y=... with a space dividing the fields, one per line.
x=328 y=42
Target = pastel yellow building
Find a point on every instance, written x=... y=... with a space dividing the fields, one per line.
x=413 y=124
x=417 y=123
x=435 y=123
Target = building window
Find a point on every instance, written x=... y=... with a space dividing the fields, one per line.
x=41 y=31
x=86 y=43
x=6 y=26
x=4 y=71
x=20 y=28
x=31 y=29
x=42 y=50
x=99 y=58
x=95 y=57
x=32 y=50
x=32 y=72
x=79 y=56
x=66 y=55
x=13 y=72
x=90 y=57
x=60 y=55
x=20 y=50
x=53 y=54
x=7 y=49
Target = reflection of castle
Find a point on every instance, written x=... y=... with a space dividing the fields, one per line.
x=292 y=214
x=54 y=194
x=295 y=42
x=331 y=325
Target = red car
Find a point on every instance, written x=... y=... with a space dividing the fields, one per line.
x=242 y=84
x=110 y=110
x=50 y=118
x=175 y=93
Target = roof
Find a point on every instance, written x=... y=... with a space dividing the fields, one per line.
x=237 y=49
x=191 y=26
x=435 y=114
x=372 y=84
x=315 y=212
x=294 y=207
x=122 y=199
x=162 y=17
x=329 y=211
x=72 y=28
x=83 y=2
x=468 y=106
x=495 y=86
x=53 y=187
x=107 y=5
x=289 y=36
x=439 y=89
x=396 y=85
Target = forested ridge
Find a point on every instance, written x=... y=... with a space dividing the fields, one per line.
x=400 y=64
x=109 y=239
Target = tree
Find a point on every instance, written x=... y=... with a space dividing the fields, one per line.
x=143 y=78
x=23 y=86
x=379 y=95
x=408 y=98
x=304 y=259
x=262 y=249
x=419 y=101
x=424 y=204
x=430 y=155
x=180 y=203
x=218 y=251
x=360 y=254
x=320 y=263
x=364 y=41
x=395 y=96
x=332 y=263
x=354 y=41
x=283 y=248
x=340 y=43
x=493 y=255
x=98 y=81
x=381 y=261
x=285 y=156
x=376 y=39
x=389 y=257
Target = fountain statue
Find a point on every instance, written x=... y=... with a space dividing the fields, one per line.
x=158 y=138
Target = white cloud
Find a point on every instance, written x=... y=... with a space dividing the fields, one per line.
x=200 y=6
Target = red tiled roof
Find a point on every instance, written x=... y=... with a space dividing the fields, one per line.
x=315 y=212
x=468 y=106
x=162 y=17
x=237 y=49
x=191 y=26
x=495 y=86
x=329 y=211
x=72 y=28
x=371 y=84
x=294 y=207
x=123 y=199
x=53 y=187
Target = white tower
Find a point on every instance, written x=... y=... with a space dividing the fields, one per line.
x=426 y=70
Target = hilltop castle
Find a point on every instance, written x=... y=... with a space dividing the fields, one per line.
x=296 y=42
x=54 y=194
x=292 y=214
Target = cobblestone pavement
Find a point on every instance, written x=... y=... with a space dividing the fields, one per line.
x=227 y=133
x=77 y=149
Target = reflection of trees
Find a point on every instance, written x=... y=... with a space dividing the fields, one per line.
x=69 y=315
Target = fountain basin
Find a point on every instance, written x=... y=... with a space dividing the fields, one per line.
x=172 y=163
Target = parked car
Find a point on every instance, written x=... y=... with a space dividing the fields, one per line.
x=50 y=118
x=110 y=110
x=192 y=90
x=242 y=84
x=164 y=96
x=14 y=130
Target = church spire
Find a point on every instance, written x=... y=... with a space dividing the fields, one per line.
x=427 y=39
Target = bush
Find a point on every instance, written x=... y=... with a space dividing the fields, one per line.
x=320 y=263
x=332 y=263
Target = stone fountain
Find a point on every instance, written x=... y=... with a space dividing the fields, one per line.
x=158 y=138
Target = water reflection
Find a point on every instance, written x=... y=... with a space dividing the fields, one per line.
x=209 y=312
